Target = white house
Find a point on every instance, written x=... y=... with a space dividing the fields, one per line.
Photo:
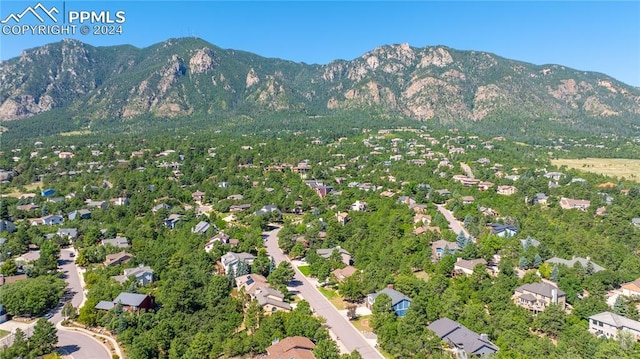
x=610 y=325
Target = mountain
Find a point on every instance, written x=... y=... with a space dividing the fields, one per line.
x=191 y=78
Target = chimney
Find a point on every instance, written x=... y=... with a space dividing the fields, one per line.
x=389 y=286
x=554 y=296
x=484 y=337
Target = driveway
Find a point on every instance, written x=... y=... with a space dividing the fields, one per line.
x=454 y=224
x=347 y=335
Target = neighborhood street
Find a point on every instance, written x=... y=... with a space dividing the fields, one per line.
x=454 y=224
x=76 y=344
x=346 y=334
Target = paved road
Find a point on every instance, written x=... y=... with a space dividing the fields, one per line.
x=454 y=224
x=467 y=169
x=76 y=344
x=339 y=325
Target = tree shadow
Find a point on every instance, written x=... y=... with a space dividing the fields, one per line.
x=68 y=349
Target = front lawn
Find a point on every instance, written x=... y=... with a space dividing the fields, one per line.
x=304 y=270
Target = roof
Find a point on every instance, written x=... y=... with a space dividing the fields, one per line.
x=469 y=264
x=571 y=262
x=396 y=297
x=616 y=320
x=291 y=347
x=326 y=252
x=130 y=299
x=120 y=242
x=267 y=295
x=442 y=244
x=499 y=227
x=544 y=289
x=461 y=336
x=104 y=305
x=632 y=286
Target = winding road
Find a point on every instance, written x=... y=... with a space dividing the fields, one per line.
x=76 y=344
x=346 y=333
x=454 y=224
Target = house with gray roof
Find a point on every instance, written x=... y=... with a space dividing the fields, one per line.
x=571 y=262
x=118 y=242
x=129 y=301
x=80 y=214
x=536 y=297
x=463 y=341
x=142 y=274
x=70 y=233
x=399 y=302
x=327 y=252
x=7 y=226
x=201 y=227
x=609 y=325
x=230 y=260
x=270 y=208
x=271 y=300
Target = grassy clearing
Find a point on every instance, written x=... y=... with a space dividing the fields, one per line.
x=304 y=270
x=363 y=323
x=333 y=297
x=614 y=167
x=4 y=333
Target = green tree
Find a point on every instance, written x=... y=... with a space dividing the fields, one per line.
x=44 y=338
x=281 y=276
x=551 y=321
x=555 y=274
x=9 y=267
x=326 y=349
x=32 y=296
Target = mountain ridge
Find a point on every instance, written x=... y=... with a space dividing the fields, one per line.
x=191 y=77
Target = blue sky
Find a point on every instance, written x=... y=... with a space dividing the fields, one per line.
x=585 y=35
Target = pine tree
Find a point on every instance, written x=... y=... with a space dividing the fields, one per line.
x=537 y=261
x=461 y=240
x=242 y=269
x=555 y=274
x=523 y=263
x=589 y=269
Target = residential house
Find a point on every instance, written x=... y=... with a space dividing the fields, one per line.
x=341 y=274
x=464 y=266
x=291 y=348
x=463 y=341
x=201 y=227
x=159 y=207
x=631 y=289
x=249 y=283
x=359 y=206
x=230 y=260
x=503 y=230
x=142 y=274
x=271 y=300
x=468 y=200
x=418 y=208
x=536 y=297
x=540 y=198
x=50 y=220
x=422 y=219
x=406 y=200
x=172 y=220
x=219 y=237
x=506 y=190
x=601 y=211
x=119 y=201
x=571 y=262
x=610 y=325
x=80 y=214
x=96 y=204
x=198 y=196
x=69 y=233
x=344 y=255
x=11 y=278
x=270 y=208
x=342 y=217
x=239 y=207
x=441 y=248
x=7 y=226
x=65 y=155
x=570 y=203
x=27 y=207
x=483 y=186
x=399 y=302
x=117 y=258
x=556 y=176
x=130 y=302
x=119 y=242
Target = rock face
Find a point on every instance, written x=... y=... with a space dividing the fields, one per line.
x=181 y=77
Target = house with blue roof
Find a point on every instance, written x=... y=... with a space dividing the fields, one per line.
x=399 y=302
